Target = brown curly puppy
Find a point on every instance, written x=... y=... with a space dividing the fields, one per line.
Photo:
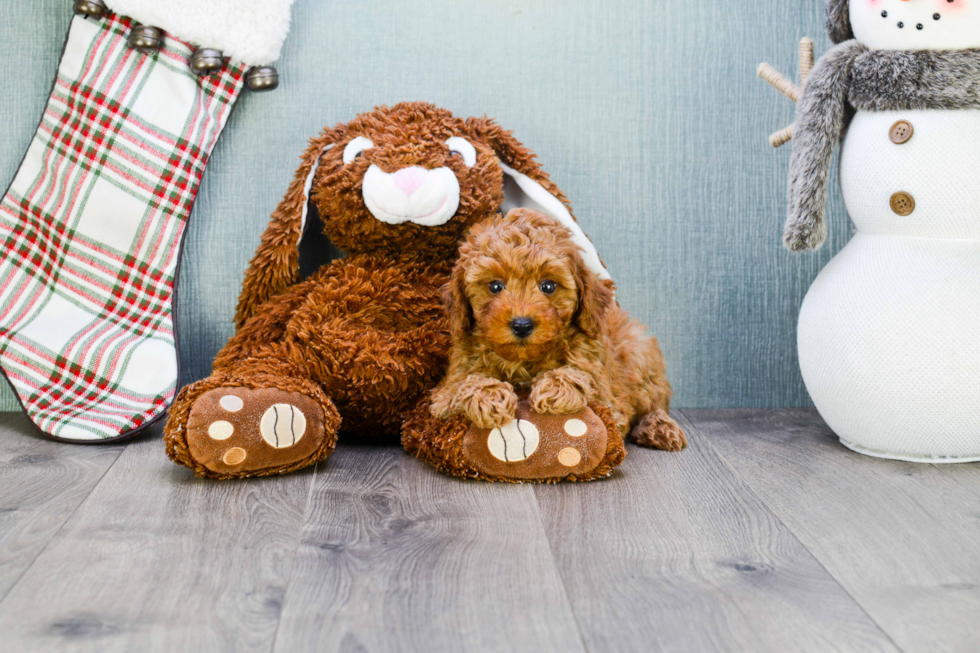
x=525 y=311
x=364 y=339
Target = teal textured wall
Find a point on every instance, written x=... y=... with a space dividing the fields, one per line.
x=646 y=112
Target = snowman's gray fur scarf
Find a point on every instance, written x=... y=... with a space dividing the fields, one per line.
x=852 y=77
x=839 y=21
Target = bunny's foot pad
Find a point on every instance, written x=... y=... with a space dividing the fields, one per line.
x=534 y=447
x=236 y=432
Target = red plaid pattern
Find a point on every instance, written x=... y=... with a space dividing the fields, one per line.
x=91 y=230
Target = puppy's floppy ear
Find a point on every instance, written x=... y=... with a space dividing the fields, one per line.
x=526 y=185
x=596 y=297
x=461 y=320
x=275 y=265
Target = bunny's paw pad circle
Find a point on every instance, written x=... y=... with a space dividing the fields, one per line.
x=241 y=430
x=537 y=447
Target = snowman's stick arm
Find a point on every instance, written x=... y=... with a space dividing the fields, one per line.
x=780 y=82
x=783 y=136
x=788 y=88
x=806 y=59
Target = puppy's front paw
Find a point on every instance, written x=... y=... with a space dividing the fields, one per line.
x=486 y=402
x=442 y=403
x=659 y=431
x=561 y=391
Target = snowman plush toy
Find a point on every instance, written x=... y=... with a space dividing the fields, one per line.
x=889 y=333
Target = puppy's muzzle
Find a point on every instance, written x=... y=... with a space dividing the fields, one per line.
x=522 y=327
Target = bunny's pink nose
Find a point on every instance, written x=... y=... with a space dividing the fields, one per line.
x=410 y=179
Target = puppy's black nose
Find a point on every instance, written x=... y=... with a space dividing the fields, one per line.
x=522 y=326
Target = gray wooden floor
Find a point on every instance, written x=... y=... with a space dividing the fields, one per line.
x=765 y=535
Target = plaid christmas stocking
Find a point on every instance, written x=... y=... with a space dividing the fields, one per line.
x=92 y=227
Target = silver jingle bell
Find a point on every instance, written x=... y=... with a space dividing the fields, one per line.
x=205 y=61
x=90 y=8
x=262 y=78
x=145 y=38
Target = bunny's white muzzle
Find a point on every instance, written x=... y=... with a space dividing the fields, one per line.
x=415 y=194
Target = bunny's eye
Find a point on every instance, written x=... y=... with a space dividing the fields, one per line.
x=548 y=287
x=356 y=148
x=462 y=147
x=496 y=287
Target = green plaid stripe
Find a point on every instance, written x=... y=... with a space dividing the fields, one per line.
x=91 y=229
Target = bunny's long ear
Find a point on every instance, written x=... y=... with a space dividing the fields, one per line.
x=275 y=265
x=526 y=185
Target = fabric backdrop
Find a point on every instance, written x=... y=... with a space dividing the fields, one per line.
x=647 y=113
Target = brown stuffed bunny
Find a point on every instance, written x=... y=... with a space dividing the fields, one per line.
x=358 y=344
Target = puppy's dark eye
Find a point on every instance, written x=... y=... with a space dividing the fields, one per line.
x=548 y=287
x=496 y=287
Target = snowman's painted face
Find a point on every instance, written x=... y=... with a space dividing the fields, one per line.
x=916 y=24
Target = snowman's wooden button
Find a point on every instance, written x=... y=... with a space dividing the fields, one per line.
x=901 y=132
x=902 y=203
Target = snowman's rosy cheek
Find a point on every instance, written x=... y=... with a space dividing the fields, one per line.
x=876 y=7
x=950 y=7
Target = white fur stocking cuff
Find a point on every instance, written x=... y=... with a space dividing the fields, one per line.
x=247 y=31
